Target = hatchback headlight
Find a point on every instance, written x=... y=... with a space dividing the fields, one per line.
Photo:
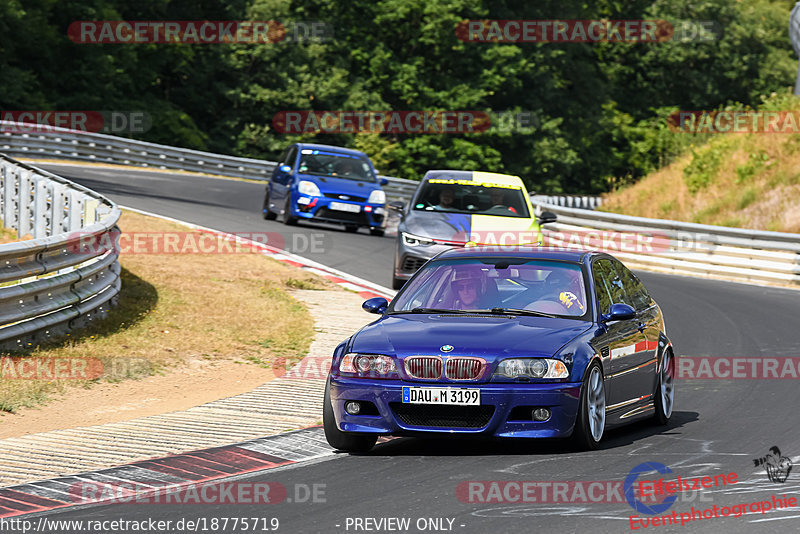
x=413 y=240
x=377 y=197
x=308 y=188
x=532 y=368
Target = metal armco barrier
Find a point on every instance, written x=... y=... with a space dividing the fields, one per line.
x=57 y=278
x=568 y=201
x=62 y=143
x=681 y=248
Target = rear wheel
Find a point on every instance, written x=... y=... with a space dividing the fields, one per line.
x=665 y=389
x=352 y=228
x=591 y=421
x=266 y=213
x=288 y=220
x=343 y=441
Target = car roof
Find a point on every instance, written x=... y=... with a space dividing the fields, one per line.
x=528 y=253
x=330 y=148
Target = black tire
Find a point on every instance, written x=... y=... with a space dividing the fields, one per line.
x=398 y=283
x=351 y=228
x=666 y=377
x=343 y=441
x=582 y=434
x=265 y=212
x=377 y=232
x=288 y=220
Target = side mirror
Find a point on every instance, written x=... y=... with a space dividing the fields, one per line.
x=375 y=305
x=617 y=312
x=547 y=217
x=396 y=205
x=285 y=168
x=384 y=181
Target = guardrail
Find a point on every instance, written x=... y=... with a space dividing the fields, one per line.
x=569 y=201
x=51 y=282
x=680 y=248
x=62 y=143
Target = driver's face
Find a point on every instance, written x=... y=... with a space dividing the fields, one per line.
x=497 y=197
x=446 y=197
x=467 y=292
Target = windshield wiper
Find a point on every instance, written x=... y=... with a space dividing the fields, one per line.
x=435 y=310
x=516 y=311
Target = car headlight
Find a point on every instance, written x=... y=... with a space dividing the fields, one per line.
x=308 y=188
x=532 y=368
x=368 y=365
x=413 y=240
x=377 y=197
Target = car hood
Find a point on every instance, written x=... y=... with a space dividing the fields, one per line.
x=460 y=228
x=490 y=337
x=341 y=186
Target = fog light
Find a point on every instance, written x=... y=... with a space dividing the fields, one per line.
x=353 y=408
x=541 y=414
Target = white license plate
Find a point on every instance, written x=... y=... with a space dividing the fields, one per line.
x=341 y=206
x=462 y=396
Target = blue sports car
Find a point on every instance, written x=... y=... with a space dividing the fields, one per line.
x=509 y=343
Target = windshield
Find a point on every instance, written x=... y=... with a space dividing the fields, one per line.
x=337 y=165
x=463 y=196
x=536 y=286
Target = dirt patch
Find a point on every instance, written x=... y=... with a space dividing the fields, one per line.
x=195 y=383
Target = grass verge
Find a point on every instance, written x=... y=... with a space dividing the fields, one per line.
x=175 y=308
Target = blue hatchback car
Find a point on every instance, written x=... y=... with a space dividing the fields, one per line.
x=326 y=184
x=527 y=343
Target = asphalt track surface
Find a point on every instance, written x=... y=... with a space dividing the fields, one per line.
x=718 y=426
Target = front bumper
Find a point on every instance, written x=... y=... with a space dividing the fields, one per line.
x=561 y=398
x=319 y=209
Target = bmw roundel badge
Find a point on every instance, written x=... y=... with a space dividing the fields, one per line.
x=446 y=348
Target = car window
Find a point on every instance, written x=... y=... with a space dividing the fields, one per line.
x=321 y=163
x=638 y=297
x=544 y=286
x=291 y=156
x=465 y=196
x=608 y=285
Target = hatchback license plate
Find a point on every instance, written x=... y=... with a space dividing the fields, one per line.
x=461 y=396
x=342 y=206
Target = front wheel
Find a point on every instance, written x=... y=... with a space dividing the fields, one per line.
x=288 y=220
x=591 y=422
x=398 y=283
x=377 y=231
x=266 y=213
x=343 y=441
x=351 y=228
x=665 y=389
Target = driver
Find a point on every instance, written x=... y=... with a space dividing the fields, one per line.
x=447 y=198
x=498 y=198
x=468 y=288
x=349 y=167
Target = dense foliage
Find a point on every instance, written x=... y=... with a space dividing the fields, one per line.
x=600 y=109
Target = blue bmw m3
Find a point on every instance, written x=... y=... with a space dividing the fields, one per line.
x=525 y=343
